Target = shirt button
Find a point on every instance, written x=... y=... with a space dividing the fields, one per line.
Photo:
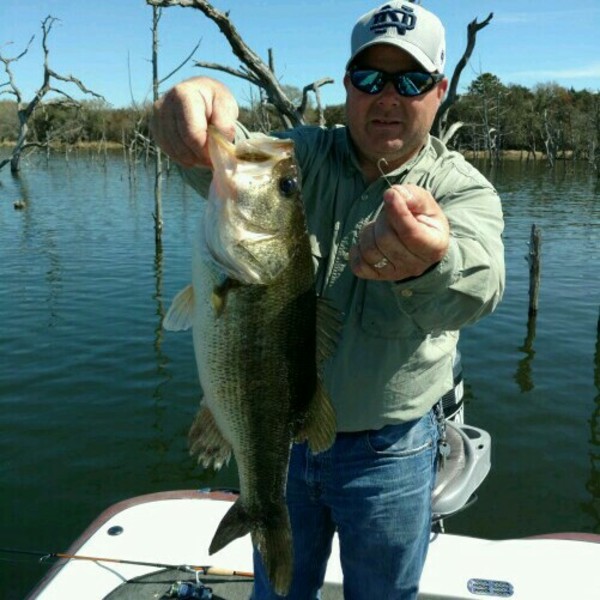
x=364 y=197
x=406 y=293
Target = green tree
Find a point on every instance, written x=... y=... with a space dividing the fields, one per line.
x=519 y=120
x=9 y=123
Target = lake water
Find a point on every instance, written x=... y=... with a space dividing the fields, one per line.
x=96 y=400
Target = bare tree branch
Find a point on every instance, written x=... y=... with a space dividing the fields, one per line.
x=15 y=91
x=441 y=118
x=315 y=87
x=182 y=64
x=255 y=69
x=75 y=81
x=242 y=73
x=25 y=110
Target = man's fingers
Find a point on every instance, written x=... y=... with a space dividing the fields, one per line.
x=409 y=235
x=190 y=124
x=180 y=119
x=418 y=221
x=398 y=212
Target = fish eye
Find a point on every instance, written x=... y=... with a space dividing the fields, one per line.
x=288 y=186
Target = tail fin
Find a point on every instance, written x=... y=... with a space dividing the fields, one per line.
x=274 y=542
x=271 y=534
x=235 y=524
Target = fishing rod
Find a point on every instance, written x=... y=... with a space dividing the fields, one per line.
x=204 y=570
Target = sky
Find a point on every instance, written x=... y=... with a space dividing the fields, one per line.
x=107 y=43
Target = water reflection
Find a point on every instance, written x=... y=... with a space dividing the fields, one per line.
x=524 y=373
x=593 y=484
x=161 y=445
x=38 y=234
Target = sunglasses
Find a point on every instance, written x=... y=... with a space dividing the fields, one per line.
x=409 y=83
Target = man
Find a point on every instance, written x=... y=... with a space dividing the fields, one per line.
x=407 y=242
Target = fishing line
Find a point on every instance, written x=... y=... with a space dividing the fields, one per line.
x=204 y=570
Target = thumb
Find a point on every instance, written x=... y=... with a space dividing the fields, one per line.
x=222 y=110
x=417 y=205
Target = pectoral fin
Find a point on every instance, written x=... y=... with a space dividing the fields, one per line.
x=320 y=427
x=179 y=315
x=219 y=295
x=329 y=327
x=206 y=441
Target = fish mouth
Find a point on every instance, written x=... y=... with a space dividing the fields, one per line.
x=218 y=136
x=253 y=150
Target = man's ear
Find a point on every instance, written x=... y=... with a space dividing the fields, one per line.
x=442 y=88
x=346 y=82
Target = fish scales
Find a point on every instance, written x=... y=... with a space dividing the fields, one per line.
x=253 y=311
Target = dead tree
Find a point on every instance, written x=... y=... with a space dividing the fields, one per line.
x=156 y=83
x=253 y=68
x=440 y=125
x=26 y=109
x=549 y=140
x=157 y=215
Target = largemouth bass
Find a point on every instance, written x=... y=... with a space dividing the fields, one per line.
x=253 y=311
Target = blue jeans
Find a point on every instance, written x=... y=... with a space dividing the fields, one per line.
x=375 y=488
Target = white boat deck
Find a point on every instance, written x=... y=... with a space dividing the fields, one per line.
x=175 y=528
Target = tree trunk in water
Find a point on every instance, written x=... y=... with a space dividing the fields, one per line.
x=158 y=220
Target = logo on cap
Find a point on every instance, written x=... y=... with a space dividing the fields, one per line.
x=403 y=19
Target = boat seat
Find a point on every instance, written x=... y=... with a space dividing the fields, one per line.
x=464 y=469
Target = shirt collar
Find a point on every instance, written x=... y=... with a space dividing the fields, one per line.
x=346 y=147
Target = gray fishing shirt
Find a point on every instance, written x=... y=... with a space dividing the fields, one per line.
x=394 y=358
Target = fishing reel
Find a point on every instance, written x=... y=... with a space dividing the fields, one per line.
x=189 y=590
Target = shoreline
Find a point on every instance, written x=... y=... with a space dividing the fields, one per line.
x=520 y=155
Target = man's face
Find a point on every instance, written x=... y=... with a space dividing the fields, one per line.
x=387 y=125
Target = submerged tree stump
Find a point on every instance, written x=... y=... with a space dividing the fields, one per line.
x=534 y=259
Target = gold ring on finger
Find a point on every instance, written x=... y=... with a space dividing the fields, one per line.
x=384 y=262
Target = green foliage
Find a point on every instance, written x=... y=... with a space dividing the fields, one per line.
x=485 y=84
x=9 y=121
x=336 y=114
x=496 y=117
x=59 y=123
x=558 y=121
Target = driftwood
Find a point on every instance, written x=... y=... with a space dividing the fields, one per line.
x=441 y=120
x=253 y=68
x=26 y=109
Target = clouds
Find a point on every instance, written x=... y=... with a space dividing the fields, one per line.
x=589 y=71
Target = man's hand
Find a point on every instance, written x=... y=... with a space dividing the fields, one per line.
x=409 y=235
x=181 y=117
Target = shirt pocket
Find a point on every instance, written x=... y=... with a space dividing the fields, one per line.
x=381 y=312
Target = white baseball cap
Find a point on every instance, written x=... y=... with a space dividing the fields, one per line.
x=407 y=26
